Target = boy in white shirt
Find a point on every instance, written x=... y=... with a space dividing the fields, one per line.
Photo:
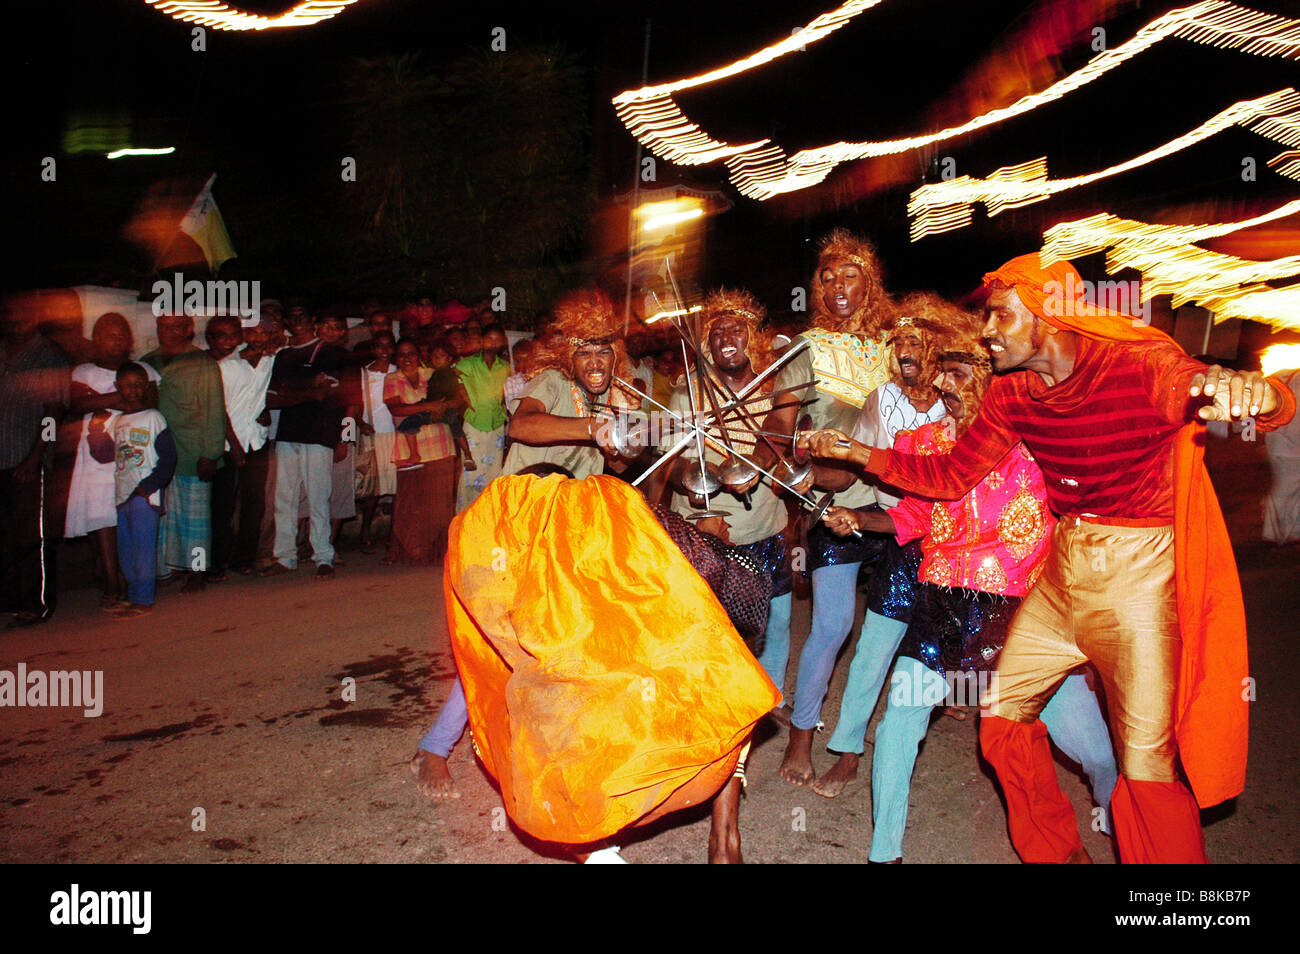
x=145 y=456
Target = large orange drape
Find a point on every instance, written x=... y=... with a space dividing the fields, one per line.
x=1211 y=710
x=606 y=685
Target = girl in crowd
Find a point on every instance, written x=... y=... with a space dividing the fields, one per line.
x=425 y=462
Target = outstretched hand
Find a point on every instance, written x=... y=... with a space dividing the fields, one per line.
x=1234 y=395
x=828 y=444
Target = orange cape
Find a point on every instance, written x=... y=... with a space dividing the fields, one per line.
x=605 y=684
x=1211 y=716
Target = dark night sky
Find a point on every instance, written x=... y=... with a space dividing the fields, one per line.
x=259 y=109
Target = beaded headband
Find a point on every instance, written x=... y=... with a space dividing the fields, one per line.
x=967 y=357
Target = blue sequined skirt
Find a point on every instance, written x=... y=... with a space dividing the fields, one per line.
x=893 y=586
x=769 y=553
x=956 y=629
x=827 y=549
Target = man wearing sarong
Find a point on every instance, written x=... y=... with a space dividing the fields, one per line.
x=190 y=397
x=1140 y=578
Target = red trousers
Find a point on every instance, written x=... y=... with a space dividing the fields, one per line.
x=1154 y=822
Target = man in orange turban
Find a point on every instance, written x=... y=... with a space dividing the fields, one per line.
x=1140 y=579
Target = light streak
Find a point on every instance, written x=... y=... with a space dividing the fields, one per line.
x=671 y=218
x=943 y=206
x=673 y=313
x=1279 y=357
x=222 y=16
x=141 y=151
x=1171 y=264
x=761 y=169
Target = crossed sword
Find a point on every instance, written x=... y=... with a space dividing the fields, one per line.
x=697 y=432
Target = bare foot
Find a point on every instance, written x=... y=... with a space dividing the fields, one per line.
x=796 y=767
x=724 y=836
x=435 y=780
x=955 y=712
x=195 y=584
x=840 y=774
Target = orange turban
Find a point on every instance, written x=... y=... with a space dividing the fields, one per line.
x=1056 y=294
x=1211 y=714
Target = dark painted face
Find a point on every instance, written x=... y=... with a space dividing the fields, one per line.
x=1015 y=335
x=909 y=352
x=844 y=289
x=729 y=343
x=593 y=368
x=953 y=385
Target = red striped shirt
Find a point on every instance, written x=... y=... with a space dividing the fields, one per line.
x=1103 y=436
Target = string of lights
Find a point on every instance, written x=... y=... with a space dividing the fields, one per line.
x=762 y=170
x=222 y=16
x=943 y=206
x=1171 y=264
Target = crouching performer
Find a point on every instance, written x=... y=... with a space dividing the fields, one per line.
x=606 y=684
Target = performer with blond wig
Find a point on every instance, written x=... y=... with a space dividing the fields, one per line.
x=847 y=359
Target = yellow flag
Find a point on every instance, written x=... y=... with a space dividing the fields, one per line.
x=204 y=224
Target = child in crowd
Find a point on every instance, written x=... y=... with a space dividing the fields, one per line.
x=146 y=460
x=443 y=386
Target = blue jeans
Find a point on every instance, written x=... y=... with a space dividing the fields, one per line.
x=776 y=643
x=835 y=596
x=450 y=724
x=876 y=647
x=1073 y=719
x=137 y=549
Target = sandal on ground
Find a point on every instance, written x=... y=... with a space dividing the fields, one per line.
x=132 y=612
x=275 y=569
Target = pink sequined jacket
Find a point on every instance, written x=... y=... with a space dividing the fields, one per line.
x=995 y=538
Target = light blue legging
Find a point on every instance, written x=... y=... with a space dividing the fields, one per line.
x=1072 y=716
x=876 y=647
x=834 y=600
x=450 y=724
x=776 y=643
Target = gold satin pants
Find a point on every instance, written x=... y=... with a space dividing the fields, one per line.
x=1106 y=596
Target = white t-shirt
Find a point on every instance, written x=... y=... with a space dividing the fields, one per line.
x=135 y=436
